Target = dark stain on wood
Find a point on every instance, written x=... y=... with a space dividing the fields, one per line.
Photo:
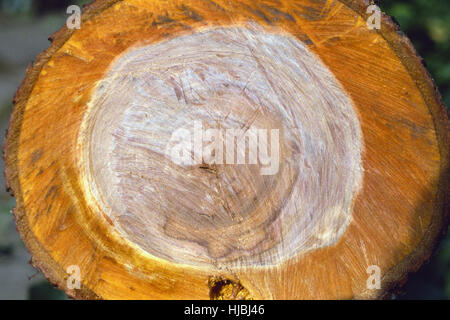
x=160 y=20
x=278 y=14
x=35 y=156
x=190 y=13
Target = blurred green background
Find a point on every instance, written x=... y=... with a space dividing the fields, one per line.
x=24 y=28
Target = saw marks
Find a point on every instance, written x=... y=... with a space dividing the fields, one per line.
x=224 y=213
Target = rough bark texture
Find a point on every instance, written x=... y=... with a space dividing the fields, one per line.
x=71 y=212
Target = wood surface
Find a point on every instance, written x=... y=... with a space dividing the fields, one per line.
x=363 y=172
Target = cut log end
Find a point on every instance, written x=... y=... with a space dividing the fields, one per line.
x=236 y=151
x=209 y=161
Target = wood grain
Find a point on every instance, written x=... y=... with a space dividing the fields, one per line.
x=396 y=217
x=235 y=213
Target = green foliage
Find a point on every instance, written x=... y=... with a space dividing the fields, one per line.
x=44 y=291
